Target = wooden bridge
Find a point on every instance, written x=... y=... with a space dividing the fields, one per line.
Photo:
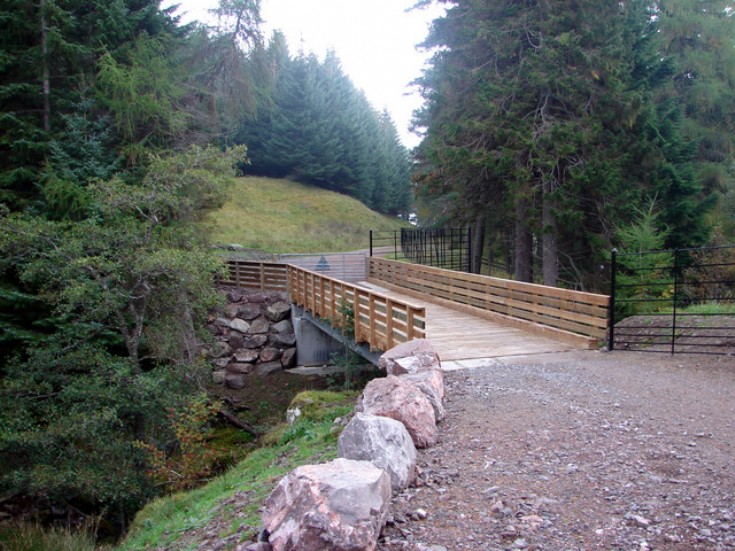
x=466 y=316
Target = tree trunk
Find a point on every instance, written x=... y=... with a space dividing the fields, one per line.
x=239 y=423
x=45 y=72
x=550 y=252
x=524 y=244
x=478 y=243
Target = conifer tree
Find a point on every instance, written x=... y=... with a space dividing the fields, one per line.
x=319 y=129
x=539 y=118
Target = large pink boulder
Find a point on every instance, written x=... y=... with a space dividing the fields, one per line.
x=403 y=401
x=410 y=357
x=431 y=383
x=337 y=506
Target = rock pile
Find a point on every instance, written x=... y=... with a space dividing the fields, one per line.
x=253 y=335
x=343 y=505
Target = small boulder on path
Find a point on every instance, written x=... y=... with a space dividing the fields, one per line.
x=410 y=357
x=431 y=383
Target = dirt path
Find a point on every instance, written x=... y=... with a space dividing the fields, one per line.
x=579 y=450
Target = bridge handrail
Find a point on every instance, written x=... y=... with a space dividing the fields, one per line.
x=256 y=274
x=574 y=316
x=378 y=320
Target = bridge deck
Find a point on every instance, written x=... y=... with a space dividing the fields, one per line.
x=460 y=336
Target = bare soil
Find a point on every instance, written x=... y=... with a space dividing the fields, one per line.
x=578 y=451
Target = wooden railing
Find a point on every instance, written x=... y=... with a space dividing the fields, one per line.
x=265 y=276
x=571 y=316
x=376 y=319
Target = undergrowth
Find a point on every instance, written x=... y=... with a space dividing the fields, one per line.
x=33 y=537
x=237 y=495
x=710 y=309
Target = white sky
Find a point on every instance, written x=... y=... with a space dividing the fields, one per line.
x=375 y=40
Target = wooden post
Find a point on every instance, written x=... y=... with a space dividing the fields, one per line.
x=371 y=313
x=389 y=323
x=356 y=314
x=312 y=298
x=319 y=294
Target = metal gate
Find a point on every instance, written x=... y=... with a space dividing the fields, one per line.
x=677 y=301
x=448 y=248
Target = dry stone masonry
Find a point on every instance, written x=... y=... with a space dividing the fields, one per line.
x=343 y=505
x=253 y=337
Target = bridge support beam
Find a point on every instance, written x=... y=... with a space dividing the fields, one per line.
x=317 y=341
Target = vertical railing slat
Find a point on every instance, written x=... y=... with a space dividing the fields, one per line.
x=389 y=322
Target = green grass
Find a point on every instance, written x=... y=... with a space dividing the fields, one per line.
x=282 y=216
x=32 y=537
x=711 y=308
x=312 y=439
x=703 y=308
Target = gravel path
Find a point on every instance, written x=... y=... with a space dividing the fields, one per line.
x=578 y=451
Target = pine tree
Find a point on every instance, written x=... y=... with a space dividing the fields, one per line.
x=700 y=38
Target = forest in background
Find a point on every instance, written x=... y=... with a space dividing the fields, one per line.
x=318 y=128
x=559 y=130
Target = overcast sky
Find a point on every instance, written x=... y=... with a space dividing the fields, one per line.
x=375 y=40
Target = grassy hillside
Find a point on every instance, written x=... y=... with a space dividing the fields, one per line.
x=281 y=216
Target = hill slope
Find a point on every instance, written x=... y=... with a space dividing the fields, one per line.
x=282 y=216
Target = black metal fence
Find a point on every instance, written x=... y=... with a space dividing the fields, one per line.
x=449 y=248
x=674 y=301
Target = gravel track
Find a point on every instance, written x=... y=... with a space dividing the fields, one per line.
x=578 y=451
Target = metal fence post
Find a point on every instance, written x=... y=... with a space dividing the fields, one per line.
x=371 y=242
x=676 y=292
x=469 y=250
x=613 y=274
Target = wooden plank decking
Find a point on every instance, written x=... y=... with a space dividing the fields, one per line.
x=460 y=336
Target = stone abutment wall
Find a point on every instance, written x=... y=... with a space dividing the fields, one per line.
x=253 y=336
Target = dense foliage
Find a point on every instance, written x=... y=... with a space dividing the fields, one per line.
x=547 y=124
x=105 y=279
x=125 y=291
